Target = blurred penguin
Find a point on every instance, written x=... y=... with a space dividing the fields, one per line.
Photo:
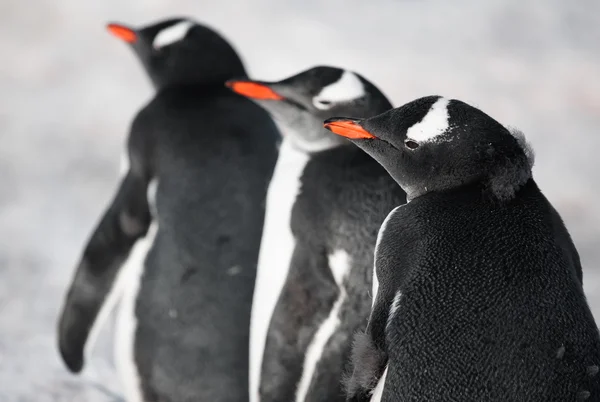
x=326 y=203
x=179 y=243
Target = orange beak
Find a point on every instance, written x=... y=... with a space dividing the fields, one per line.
x=347 y=128
x=253 y=90
x=122 y=32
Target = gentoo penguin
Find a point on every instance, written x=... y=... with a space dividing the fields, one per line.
x=478 y=295
x=325 y=205
x=179 y=243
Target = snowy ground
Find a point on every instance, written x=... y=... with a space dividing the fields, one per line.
x=69 y=90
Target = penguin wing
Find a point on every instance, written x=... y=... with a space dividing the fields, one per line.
x=398 y=241
x=126 y=220
x=303 y=305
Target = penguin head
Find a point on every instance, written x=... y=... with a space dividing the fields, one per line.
x=179 y=51
x=437 y=144
x=301 y=102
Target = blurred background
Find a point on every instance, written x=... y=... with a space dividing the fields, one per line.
x=69 y=90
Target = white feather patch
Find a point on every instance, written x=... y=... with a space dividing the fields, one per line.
x=276 y=248
x=172 y=34
x=151 y=195
x=433 y=124
x=339 y=262
x=379 y=236
x=378 y=391
x=124 y=165
x=126 y=319
x=375 y=286
x=394 y=307
x=133 y=270
x=347 y=88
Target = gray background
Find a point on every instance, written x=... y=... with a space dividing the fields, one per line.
x=68 y=91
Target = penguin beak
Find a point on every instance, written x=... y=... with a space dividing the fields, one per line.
x=122 y=32
x=348 y=128
x=253 y=90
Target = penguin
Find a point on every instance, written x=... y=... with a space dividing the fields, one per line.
x=479 y=297
x=325 y=205
x=177 y=247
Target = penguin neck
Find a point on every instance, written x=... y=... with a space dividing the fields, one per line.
x=482 y=191
x=513 y=173
x=162 y=82
x=302 y=139
x=504 y=183
x=178 y=85
x=191 y=92
x=501 y=182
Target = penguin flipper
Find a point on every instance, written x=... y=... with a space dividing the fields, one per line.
x=305 y=301
x=368 y=361
x=126 y=220
x=369 y=354
x=370 y=350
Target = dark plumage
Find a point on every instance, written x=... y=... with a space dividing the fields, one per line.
x=480 y=295
x=205 y=156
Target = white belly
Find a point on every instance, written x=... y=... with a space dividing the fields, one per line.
x=126 y=320
x=276 y=249
x=133 y=269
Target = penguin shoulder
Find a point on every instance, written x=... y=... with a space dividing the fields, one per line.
x=143 y=134
x=152 y=116
x=404 y=225
x=310 y=211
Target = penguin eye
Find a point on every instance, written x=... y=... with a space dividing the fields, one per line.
x=322 y=104
x=410 y=144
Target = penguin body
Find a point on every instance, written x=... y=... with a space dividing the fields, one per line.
x=327 y=293
x=479 y=284
x=179 y=244
x=302 y=345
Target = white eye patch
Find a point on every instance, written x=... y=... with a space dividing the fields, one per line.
x=433 y=124
x=347 y=88
x=172 y=34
